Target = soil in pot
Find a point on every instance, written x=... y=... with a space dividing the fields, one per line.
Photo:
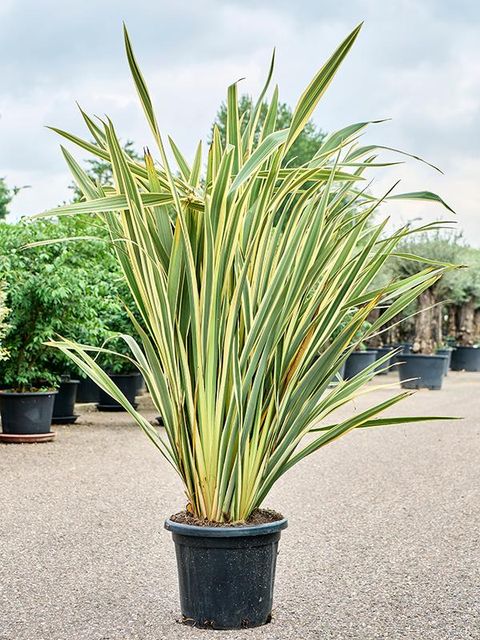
x=28 y=413
x=128 y=385
x=466 y=359
x=357 y=361
x=448 y=355
x=226 y=573
x=427 y=371
x=64 y=404
x=87 y=391
x=382 y=351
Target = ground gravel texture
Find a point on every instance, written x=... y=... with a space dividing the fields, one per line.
x=383 y=537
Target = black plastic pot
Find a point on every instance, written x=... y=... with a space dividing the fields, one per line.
x=357 y=361
x=128 y=385
x=382 y=351
x=448 y=358
x=87 y=391
x=64 y=404
x=226 y=574
x=466 y=359
x=26 y=413
x=428 y=371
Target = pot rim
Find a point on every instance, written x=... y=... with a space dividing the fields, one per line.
x=467 y=346
x=225 y=532
x=364 y=352
x=422 y=355
x=124 y=375
x=7 y=392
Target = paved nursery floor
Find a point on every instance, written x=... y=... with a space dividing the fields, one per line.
x=383 y=541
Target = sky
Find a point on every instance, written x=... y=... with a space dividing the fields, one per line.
x=416 y=62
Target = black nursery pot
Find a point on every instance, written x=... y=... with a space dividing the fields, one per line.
x=226 y=574
x=448 y=359
x=28 y=413
x=87 y=391
x=382 y=351
x=64 y=404
x=128 y=385
x=466 y=359
x=357 y=361
x=428 y=371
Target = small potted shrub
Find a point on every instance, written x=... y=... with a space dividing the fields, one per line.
x=46 y=296
x=241 y=277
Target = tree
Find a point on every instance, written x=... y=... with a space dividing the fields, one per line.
x=435 y=249
x=6 y=196
x=304 y=147
x=464 y=294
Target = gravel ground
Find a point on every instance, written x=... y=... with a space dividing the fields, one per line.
x=383 y=537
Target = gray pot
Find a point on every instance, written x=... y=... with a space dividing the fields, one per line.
x=427 y=371
x=357 y=361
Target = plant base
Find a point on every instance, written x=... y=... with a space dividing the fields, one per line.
x=466 y=359
x=25 y=438
x=87 y=391
x=226 y=574
x=128 y=384
x=28 y=413
x=357 y=361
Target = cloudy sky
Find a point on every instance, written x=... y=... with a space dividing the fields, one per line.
x=415 y=61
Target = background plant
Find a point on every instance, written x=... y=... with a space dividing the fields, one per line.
x=56 y=289
x=428 y=310
x=240 y=279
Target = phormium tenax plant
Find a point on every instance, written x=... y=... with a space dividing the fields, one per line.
x=241 y=276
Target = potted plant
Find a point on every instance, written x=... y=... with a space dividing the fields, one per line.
x=423 y=367
x=46 y=295
x=464 y=312
x=240 y=277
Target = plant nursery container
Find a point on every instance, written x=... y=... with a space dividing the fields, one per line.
x=64 y=404
x=87 y=391
x=448 y=354
x=466 y=359
x=28 y=413
x=382 y=351
x=128 y=385
x=357 y=361
x=226 y=574
x=427 y=371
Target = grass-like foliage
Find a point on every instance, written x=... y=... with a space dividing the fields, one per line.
x=241 y=275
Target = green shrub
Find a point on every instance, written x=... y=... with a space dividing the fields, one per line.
x=68 y=289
